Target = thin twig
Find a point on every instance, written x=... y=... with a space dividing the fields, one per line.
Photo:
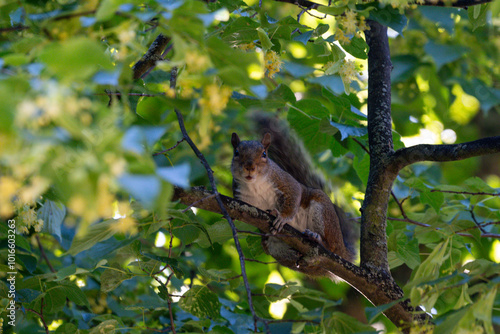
x=226 y=216
x=40 y=314
x=42 y=252
x=362 y=145
x=481 y=225
x=409 y=221
x=475 y=220
x=465 y=192
x=130 y=94
x=261 y=262
x=169 y=149
x=169 y=302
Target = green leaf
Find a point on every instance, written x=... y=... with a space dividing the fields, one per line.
x=278 y=98
x=476 y=184
x=26 y=295
x=331 y=82
x=441 y=16
x=482 y=309
x=171 y=262
x=305 y=117
x=53 y=300
x=74 y=293
x=241 y=30
x=66 y=271
x=151 y=108
x=298 y=70
x=106 y=327
x=200 y=302
x=107 y=9
x=478 y=15
x=373 y=312
x=52 y=214
x=232 y=64
x=112 y=278
x=176 y=175
x=265 y=42
x=358 y=47
x=394 y=260
x=345 y=130
x=254 y=246
x=144 y=188
x=277 y=292
x=140 y=139
x=434 y=199
x=444 y=54
x=218 y=232
x=404 y=67
x=389 y=16
x=216 y=275
x=362 y=167
x=75 y=59
x=303 y=37
x=163 y=292
x=428 y=270
x=333 y=10
x=67 y=328
x=94 y=234
x=408 y=251
x=342 y=323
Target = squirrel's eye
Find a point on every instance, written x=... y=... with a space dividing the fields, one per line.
x=264 y=154
x=236 y=153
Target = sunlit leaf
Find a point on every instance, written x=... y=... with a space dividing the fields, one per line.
x=200 y=302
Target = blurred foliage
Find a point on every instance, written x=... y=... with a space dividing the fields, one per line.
x=100 y=246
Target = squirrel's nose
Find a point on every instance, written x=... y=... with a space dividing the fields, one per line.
x=250 y=168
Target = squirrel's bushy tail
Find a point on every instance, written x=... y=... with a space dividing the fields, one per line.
x=290 y=154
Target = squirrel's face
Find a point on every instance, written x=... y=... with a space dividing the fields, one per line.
x=249 y=159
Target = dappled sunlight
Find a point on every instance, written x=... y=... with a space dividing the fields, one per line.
x=424 y=136
x=448 y=136
x=277 y=309
x=298 y=50
x=465 y=106
x=495 y=251
x=160 y=239
x=255 y=71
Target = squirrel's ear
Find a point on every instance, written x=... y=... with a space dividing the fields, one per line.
x=266 y=140
x=235 y=140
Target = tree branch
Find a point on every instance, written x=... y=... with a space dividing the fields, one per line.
x=373 y=245
x=302 y=3
x=437 y=3
x=377 y=287
x=151 y=56
x=455 y=3
x=410 y=155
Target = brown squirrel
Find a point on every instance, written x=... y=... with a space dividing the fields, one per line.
x=290 y=191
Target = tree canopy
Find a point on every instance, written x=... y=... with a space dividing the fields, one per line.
x=114 y=112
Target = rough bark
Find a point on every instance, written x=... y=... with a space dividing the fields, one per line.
x=373 y=249
x=150 y=58
x=378 y=287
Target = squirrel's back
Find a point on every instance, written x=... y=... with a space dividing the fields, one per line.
x=289 y=153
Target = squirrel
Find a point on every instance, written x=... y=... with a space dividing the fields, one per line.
x=291 y=191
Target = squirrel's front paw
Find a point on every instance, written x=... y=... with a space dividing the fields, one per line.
x=313 y=235
x=278 y=223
